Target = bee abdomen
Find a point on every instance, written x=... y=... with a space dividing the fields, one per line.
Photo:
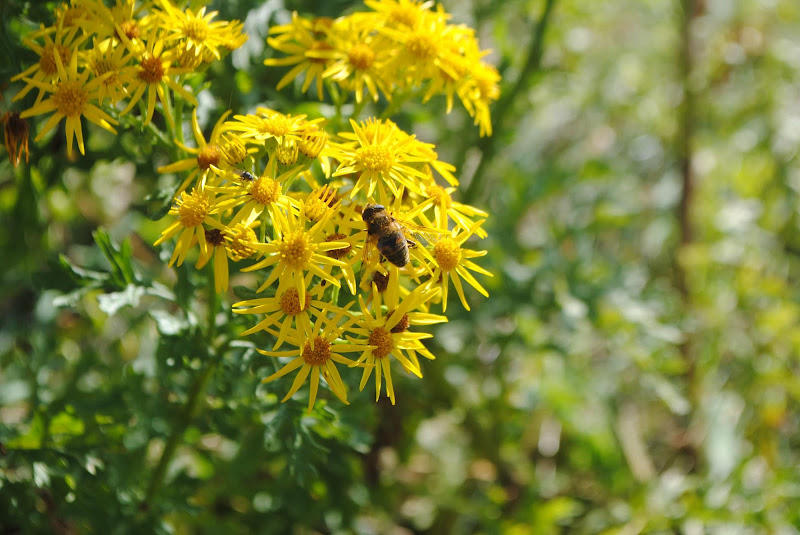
x=394 y=248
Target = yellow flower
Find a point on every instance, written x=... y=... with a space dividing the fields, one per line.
x=380 y=157
x=71 y=96
x=207 y=152
x=477 y=92
x=108 y=57
x=254 y=194
x=453 y=262
x=309 y=50
x=234 y=242
x=401 y=14
x=62 y=44
x=295 y=251
x=192 y=209
x=270 y=128
x=445 y=208
x=358 y=60
x=386 y=334
x=156 y=76
x=197 y=33
x=317 y=359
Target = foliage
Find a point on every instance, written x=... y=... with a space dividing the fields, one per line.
x=633 y=370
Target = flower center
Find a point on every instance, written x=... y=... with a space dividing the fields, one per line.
x=215 y=237
x=376 y=158
x=295 y=250
x=290 y=303
x=361 y=56
x=421 y=46
x=151 y=70
x=317 y=46
x=276 y=126
x=320 y=354
x=382 y=340
x=442 y=198
x=196 y=30
x=405 y=15
x=102 y=66
x=195 y=206
x=130 y=28
x=402 y=325
x=48 y=60
x=447 y=254
x=208 y=156
x=70 y=98
x=381 y=281
x=338 y=253
x=265 y=190
x=237 y=242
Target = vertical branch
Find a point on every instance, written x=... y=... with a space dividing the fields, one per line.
x=684 y=146
x=488 y=145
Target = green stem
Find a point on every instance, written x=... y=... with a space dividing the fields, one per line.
x=196 y=393
x=488 y=145
x=188 y=414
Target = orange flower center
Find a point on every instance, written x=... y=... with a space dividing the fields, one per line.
x=402 y=325
x=442 y=198
x=265 y=190
x=215 y=237
x=421 y=46
x=290 y=303
x=152 y=70
x=295 y=250
x=447 y=254
x=70 y=98
x=361 y=56
x=382 y=340
x=130 y=29
x=320 y=354
x=196 y=30
x=338 y=253
x=208 y=156
x=378 y=158
x=48 y=60
x=194 y=207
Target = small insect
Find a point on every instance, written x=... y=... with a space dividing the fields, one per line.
x=246 y=175
x=388 y=234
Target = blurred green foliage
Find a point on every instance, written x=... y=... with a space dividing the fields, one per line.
x=634 y=371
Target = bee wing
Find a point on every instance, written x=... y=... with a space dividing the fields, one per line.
x=429 y=234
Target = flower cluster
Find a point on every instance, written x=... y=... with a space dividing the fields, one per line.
x=252 y=195
x=401 y=46
x=99 y=62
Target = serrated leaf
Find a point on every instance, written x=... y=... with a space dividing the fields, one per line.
x=119 y=258
x=111 y=303
x=167 y=323
x=80 y=275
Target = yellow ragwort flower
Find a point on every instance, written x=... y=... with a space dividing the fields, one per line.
x=452 y=262
x=386 y=334
x=156 y=76
x=317 y=359
x=380 y=158
x=193 y=209
x=295 y=251
x=71 y=96
x=207 y=152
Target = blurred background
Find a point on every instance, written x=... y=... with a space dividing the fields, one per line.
x=635 y=369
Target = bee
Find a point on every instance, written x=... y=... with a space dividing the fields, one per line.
x=246 y=175
x=388 y=234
